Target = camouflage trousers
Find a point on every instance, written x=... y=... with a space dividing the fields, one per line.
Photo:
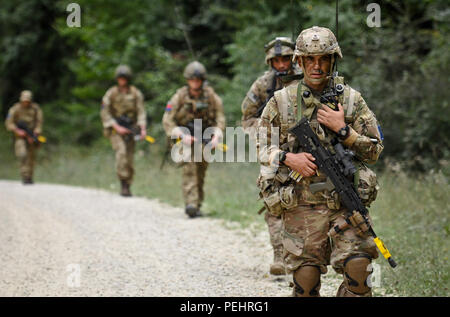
x=25 y=153
x=274 y=225
x=306 y=240
x=192 y=183
x=124 y=156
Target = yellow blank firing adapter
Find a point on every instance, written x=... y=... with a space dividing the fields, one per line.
x=150 y=139
x=42 y=139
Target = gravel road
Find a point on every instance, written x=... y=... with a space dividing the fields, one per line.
x=68 y=241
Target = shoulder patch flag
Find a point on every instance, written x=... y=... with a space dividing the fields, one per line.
x=381 y=133
x=169 y=107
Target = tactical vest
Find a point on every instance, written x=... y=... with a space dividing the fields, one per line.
x=189 y=109
x=287 y=101
x=124 y=104
x=27 y=115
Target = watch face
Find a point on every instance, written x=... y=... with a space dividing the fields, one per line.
x=343 y=132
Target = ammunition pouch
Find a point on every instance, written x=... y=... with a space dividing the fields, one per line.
x=277 y=197
x=288 y=197
x=333 y=201
x=366 y=185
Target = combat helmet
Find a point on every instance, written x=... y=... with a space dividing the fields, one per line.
x=280 y=46
x=26 y=95
x=195 y=70
x=123 y=71
x=316 y=41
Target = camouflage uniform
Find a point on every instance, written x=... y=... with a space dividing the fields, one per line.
x=181 y=109
x=264 y=87
x=32 y=116
x=307 y=217
x=260 y=92
x=116 y=103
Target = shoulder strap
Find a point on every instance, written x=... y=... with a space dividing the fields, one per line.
x=114 y=92
x=299 y=102
x=352 y=97
x=134 y=91
x=182 y=93
x=284 y=106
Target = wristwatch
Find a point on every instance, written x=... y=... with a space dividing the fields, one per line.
x=344 y=132
x=282 y=157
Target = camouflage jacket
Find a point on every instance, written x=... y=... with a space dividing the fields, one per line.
x=182 y=109
x=31 y=115
x=258 y=95
x=282 y=113
x=115 y=104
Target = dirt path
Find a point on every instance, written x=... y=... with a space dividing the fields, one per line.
x=69 y=241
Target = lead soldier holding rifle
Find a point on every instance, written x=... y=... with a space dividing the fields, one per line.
x=317 y=230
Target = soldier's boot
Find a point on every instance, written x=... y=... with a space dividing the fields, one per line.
x=277 y=267
x=193 y=211
x=356 y=271
x=125 y=189
x=307 y=281
x=27 y=180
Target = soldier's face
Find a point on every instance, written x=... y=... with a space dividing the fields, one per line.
x=316 y=67
x=122 y=81
x=282 y=63
x=195 y=83
x=26 y=103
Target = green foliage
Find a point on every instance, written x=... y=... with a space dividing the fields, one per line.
x=32 y=52
x=411 y=216
x=401 y=68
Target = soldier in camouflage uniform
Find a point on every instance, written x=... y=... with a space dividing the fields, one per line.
x=282 y=72
x=309 y=244
x=29 y=113
x=196 y=100
x=125 y=101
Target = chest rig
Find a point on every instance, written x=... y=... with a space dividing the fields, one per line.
x=28 y=115
x=124 y=104
x=296 y=102
x=195 y=108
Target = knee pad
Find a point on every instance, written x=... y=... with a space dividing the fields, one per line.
x=307 y=281
x=356 y=272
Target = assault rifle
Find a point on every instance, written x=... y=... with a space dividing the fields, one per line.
x=128 y=123
x=193 y=131
x=338 y=168
x=37 y=139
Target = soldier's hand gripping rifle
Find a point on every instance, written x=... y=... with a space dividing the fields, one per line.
x=193 y=129
x=337 y=168
x=37 y=139
x=128 y=123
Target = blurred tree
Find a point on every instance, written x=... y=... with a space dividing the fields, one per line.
x=400 y=68
x=32 y=51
